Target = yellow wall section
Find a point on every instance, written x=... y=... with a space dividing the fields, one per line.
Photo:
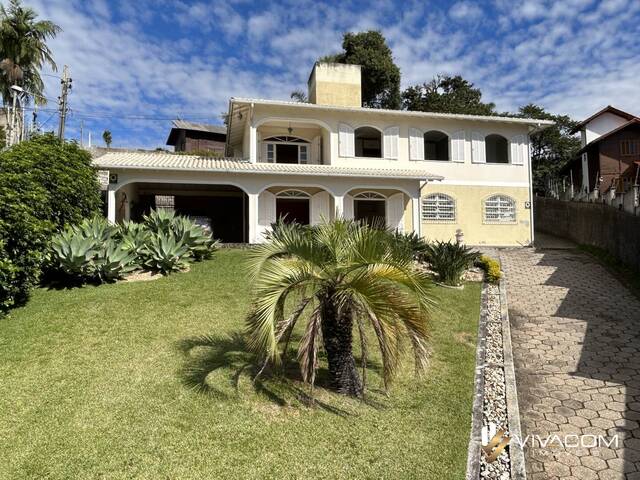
x=469 y=216
x=339 y=94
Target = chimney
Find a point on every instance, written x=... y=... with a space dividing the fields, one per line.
x=336 y=84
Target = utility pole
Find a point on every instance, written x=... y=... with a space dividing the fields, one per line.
x=62 y=100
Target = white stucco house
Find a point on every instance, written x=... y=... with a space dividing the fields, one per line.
x=430 y=173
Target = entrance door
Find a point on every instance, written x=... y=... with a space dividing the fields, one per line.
x=371 y=212
x=292 y=210
x=286 y=153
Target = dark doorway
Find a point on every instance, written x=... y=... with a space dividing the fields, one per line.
x=372 y=212
x=286 y=153
x=292 y=210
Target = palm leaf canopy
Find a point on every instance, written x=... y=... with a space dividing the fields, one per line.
x=357 y=268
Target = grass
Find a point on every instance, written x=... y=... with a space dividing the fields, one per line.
x=150 y=380
x=625 y=273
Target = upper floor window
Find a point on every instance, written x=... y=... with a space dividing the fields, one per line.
x=438 y=207
x=285 y=149
x=436 y=145
x=499 y=209
x=368 y=142
x=496 y=149
x=629 y=148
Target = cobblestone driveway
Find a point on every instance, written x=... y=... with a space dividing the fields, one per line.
x=576 y=344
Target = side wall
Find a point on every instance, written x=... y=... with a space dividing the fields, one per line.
x=469 y=216
x=592 y=224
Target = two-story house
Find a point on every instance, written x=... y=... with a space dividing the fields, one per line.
x=430 y=173
x=608 y=160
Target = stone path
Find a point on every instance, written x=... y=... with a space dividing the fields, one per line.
x=576 y=346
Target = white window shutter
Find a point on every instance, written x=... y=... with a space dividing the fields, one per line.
x=346 y=141
x=315 y=151
x=266 y=212
x=457 y=146
x=477 y=148
x=395 y=212
x=518 y=145
x=319 y=208
x=416 y=144
x=391 y=135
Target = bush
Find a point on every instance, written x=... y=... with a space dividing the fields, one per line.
x=412 y=243
x=45 y=184
x=491 y=268
x=449 y=260
x=165 y=254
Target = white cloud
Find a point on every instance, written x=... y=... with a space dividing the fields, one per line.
x=465 y=11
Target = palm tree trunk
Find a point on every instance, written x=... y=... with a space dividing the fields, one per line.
x=337 y=329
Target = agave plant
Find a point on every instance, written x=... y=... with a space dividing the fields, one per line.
x=73 y=254
x=133 y=237
x=337 y=278
x=97 y=229
x=449 y=260
x=164 y=253
x=160 y=221
x=412 y=242
x=200 y=241
x=113 y=262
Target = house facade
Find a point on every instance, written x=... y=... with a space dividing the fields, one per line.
x=435 y=174
x=607 y=167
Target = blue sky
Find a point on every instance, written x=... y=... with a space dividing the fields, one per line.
x=137 y=64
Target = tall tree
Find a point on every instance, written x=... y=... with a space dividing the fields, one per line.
x=447 y=94
x=24 y=50
x=106 y=136
x=552 y=148
x=380 y=74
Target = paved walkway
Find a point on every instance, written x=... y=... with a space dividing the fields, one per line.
x=576 y=345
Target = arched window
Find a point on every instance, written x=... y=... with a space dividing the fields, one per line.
x=438 y=207
x=496 y=149
x=436 y=145
x=369 y=196
x=368 y=142
x=286 y=139
x=499 y=209
x=285 y=149
x=293 y=194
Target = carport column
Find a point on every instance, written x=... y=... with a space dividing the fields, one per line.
x=415 y=208
x=253 y=217
x=111 y=203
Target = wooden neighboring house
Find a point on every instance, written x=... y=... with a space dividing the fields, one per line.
x=609 y=160
x=197 y=137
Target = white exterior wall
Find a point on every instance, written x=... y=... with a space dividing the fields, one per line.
x=459 y=173
x=601 y=125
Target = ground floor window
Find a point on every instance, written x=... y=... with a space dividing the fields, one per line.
x=438 y=207
x=370 y=208
x=293 y=206
x=500 y=209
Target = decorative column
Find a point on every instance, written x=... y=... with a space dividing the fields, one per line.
x=253 y=217
x=253 y=144
x=415 y=210
x=111 y=203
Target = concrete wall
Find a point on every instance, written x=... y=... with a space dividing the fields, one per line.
x=591 y=224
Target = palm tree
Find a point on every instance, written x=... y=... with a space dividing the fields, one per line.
x=338 y=276
x=106 y=136
x=23 y=50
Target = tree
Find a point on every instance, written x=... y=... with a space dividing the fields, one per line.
x=446 y=94
x=380 y=75
x=23 y=50
x=106 y=136
x=45 y=184
x=299 y=96
x=338 y=277
x=551 y=148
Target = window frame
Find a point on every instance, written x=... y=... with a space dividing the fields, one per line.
x=498 y=221
x=632 y=148
x=424 y=149
x=272 y=141
x=508 y=143
x=381 y=133
x=441 y=197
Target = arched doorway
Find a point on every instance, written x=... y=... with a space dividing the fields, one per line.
x=293 y=206
x=370 y=208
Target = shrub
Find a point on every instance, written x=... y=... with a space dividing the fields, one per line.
x=491 y=268
x=449 y=260
x=133 y=237
x=73 y=254
x=412 y=243
x=112 y=262
x=45 y=184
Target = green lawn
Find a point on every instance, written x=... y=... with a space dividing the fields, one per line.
x=148 y=380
